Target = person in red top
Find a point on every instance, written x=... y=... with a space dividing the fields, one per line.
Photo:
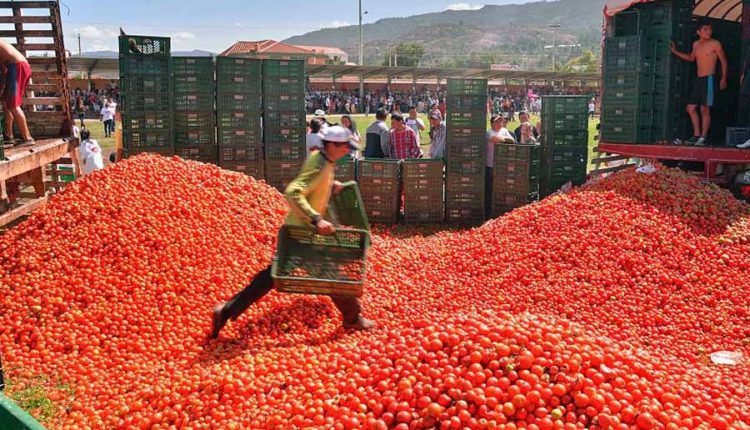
x=16 y=73
x=402 y=140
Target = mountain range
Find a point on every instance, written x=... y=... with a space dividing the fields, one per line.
x=520 y=34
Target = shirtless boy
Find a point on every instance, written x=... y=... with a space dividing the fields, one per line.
x=16 y=72
x=705 y=53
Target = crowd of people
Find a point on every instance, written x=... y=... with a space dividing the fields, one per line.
x=425 y=101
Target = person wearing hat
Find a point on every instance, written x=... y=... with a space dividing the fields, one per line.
x=308 y=197
x=321 y=116
x=497 y=134
x=437 y=135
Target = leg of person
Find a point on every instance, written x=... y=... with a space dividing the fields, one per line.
x=708 y=98
x=351 y=309
x=20 y=119
x=8 y=134
x=23 y=76
x=695 y=99
x=692 y=111
x=705 y=123
x=261 y=284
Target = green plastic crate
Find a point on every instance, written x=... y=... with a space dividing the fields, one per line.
x=231 y=154
x=141 y=102
x=193 y=101
x=202 y=67
x=131 y=66
x=238 y=119
x=256 y=169
x=191 y=120
x=295 y=136
x=285 y=151
x=147 y=139
x=562 y=105
x=193 y=84
x=286 y=68
x=233 y=66
x=284 y=84
x=239 y=136
x=202 y=153
x=474 y=119
x=346 y=169
x=240 y=84
x=195 y=137
x=14 y=418
x=145 y=84
x=462 y=103
x=310 y=263
x=283 y=102
x=146 y=121
x=347 y=207
x=505 y=152
x=239 y=102
x=146 y=46
x=285 y=119
x=469 y=87
x=465 y=166
x=379 y=168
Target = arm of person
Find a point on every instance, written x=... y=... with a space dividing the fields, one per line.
x=723 y=60
x=686 y=57
x=295 y=193
x=385 y=144
x=420 y=124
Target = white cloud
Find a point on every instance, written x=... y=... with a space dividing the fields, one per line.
x=463 y=6
x=183 y=35
x=337 y=23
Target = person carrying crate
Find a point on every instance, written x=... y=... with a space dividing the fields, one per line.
x=308 y=196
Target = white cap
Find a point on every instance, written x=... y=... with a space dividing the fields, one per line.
x=320 y=112
x=338 y=133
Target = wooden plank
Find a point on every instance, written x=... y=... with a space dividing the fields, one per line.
x=37 y=61
x=27 y=33
x=35 y=46
x=26 y=4
x=25 y=20
x=23 y=159
x=611 y=169
x=46 y=75
x=22 y=210
x=48 y=88
x=610 y=158
x=35 y=101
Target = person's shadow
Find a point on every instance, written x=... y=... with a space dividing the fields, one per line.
x=307 y=320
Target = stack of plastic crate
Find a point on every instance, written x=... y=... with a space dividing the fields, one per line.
x=284 y=124
x=643 y=83
x=146 y=98
x=516 y=175
x=565 y=140
x=239 y=97
x=194 y=118
x=346 y=169
x=466 y=150
x=379 y=183
x=423 y=185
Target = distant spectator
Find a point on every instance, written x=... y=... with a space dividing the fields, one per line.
x=497 y=134
x=402 y=140
x=437 y=135
x=90 y=153
x=376 y=136
x=592 y=109
x=80 y=110
x=320 y=115
x=112 y=106
x=108 y=117
x=523 y=116
x=314 y=140
x=414 y=123
x=351 y=126
x=527 y=135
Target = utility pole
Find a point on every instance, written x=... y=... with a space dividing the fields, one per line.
x=361 y=63
x=554 y=45
x=395 y=57
x=390 y=56
x=79 y=44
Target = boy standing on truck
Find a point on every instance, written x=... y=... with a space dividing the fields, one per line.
x=706 y=51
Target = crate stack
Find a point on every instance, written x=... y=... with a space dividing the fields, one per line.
x=565 y=140
x=194 y=118
x=146 y=98
x=346 y=169
x=379 y=183
x=516 y=175
x=239 y=95
x=423 y=186
x=284 y=123
x=466 y=150
x=643 y=83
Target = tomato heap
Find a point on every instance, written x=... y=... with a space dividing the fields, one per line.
x=595 y=309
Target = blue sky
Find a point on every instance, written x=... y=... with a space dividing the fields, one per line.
x=214 y=25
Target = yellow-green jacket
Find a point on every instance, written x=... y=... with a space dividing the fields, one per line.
x=309 y=193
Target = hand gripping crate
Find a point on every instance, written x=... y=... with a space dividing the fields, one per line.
x=310 y=263
x=347 y=208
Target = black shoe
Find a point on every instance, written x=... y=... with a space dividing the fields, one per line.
x=692 y=141
x=220 y=320
x=359 y=324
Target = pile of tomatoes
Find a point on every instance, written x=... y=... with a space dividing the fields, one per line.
x=595 y=309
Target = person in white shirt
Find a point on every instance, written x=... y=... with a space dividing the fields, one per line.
x=113 y=107
x=497 y=134
x=108 y=117
x=414 y=123
x=90 y=153
x=314 y=139
x=592 y=109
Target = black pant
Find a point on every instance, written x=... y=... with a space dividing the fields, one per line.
x=262 y=283
x=108 y=127
x=488 y=192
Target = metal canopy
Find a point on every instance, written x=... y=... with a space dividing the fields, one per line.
x=110 y=66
